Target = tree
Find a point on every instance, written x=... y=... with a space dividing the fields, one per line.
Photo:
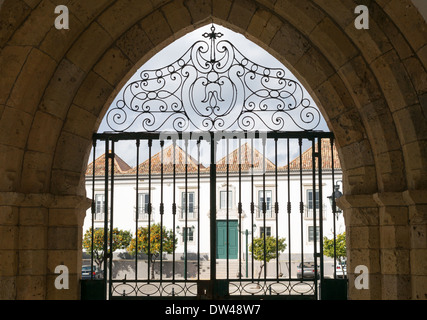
x=121 y=240
x=340 y=248
x=272 y=247
x=153 y=242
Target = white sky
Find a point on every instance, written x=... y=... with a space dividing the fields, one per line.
x=126 y=150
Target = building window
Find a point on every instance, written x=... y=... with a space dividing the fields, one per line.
x=99 y=207
x=310 y=199
x=188 y=205
x=268 y=204
x=223 y=199
x=189 y=232
x=143 y=202
x=267 y=232
x=311 y=233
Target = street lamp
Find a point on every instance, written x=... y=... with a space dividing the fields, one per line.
x=333 y=197
x=247 y=233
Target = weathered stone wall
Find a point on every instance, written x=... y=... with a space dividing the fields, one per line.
x=371 y=86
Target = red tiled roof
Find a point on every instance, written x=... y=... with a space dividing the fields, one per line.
x=247 y=157
x=246 y=154
x=168 y=157
x=307 y=158
x=120 y=166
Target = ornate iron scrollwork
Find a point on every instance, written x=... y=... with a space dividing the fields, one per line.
x=213 y=87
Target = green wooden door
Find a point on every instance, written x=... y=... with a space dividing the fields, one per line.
x=221 y=239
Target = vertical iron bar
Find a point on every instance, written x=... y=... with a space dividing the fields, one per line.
x=112 y=155
x=289 y=211
x=198 y=208
x=252 y=208
x=264 y=208
x=187 y=198
x=227 y=211
x=174 y=209
x=239 y=210
x=276 y=210
x=333 y=207
x=150 y=143
x=137 y=208
x=320 y=210
x=301 y=208
x=313 y=166
x=213 y=212
x=93 y=209
x=106 y=169
x=162 y=143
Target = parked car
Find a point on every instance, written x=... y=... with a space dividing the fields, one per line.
x=308 y=270
x=86 y=270
x=341 y=270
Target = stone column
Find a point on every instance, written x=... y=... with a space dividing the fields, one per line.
x=361 y=216
x=395 y=246
x=417 y=214
x=38 y=232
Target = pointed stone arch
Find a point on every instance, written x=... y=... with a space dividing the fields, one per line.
x=56 y=86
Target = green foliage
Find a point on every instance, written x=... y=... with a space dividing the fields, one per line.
x=152 y=242
x=265 y=251
x=121 y=240
x=328 y=247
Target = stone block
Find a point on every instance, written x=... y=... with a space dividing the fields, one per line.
x=44 y=133
x=9 y=264
x=9 y=237
x=177 y=15
x=67 y=183
x=357 y=76
x=394 y=81
x=14 y=127
x=57 y=42
x=113 y=66
x=334 y=44
x=199 y=9
x=80 y=122
x=61 y=89
x=71 y=150
x=12 y=59
x=30 y=85
x=419 y=287
x=33 y=216
x=89 y=47
x=8 y=288
x=221 y=8
x=157 y=28
x=135 y=44
x=36 y=172
x=303 y=14
x=112 y=18
x=289 y=43
x=32 y=237
x=10 y=167
x=9 y=215
x=93 y=93
x=241 y=13
x=31 y=287
x=63 y=238
x=314 y=67
x=43 y=16
x=32 y=262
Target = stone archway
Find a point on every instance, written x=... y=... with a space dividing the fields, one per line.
x=55 y=87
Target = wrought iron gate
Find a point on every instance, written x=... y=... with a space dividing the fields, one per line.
x=252 y=204
x=221 y=207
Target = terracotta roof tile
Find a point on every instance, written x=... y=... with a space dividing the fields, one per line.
x=246 y=153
